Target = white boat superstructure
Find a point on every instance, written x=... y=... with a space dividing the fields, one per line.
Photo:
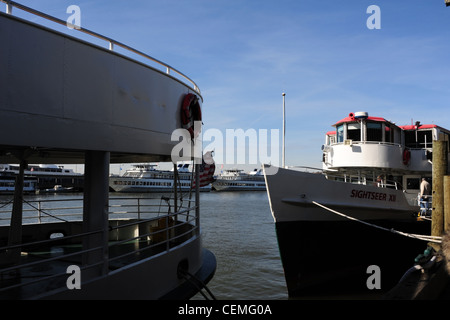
x=69 y=101
x=39 y=169
x=42 y=177
x=372 y=150
x=238 y=180
x=146 y=178
x=371 y=176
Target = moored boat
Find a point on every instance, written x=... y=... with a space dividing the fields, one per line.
x=238 y=180
x=146 y=178
x=334 y=223
x=47 y=176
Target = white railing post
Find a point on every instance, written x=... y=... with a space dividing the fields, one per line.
x=39 y=211
x=9 y=8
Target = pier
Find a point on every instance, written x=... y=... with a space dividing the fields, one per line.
x=430 y=279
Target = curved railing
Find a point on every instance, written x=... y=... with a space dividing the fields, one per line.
x=140 y=228
x=168 y=69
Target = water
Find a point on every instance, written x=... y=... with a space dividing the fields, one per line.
x=239 y=229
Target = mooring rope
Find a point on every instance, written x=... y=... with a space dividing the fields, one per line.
x=435 y=239
x=197 y=283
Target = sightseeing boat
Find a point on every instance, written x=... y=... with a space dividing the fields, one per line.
x=146 y=178
x=238 y=180
x=68 y=101
x=336 y=222
x=46 y=177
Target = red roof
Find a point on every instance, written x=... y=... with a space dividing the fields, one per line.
x=423 y=126
x=351 y=118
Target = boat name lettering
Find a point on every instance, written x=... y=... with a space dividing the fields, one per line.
x=381 y=196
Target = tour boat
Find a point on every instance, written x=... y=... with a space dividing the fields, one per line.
x=238 y=180
x=332 y=224
x=47 y=176
x=146 y=178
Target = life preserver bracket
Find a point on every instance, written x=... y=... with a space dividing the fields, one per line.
x=190 y=112
x=406 y=157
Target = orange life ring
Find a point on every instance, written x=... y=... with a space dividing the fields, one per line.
x=406 y=156
x=190 y=112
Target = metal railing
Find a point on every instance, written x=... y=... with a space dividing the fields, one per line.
x=140 y=228
x=111 y=42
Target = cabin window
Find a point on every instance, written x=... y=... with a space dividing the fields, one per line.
x=410 y=139
x=354 y=131
x=374 y=132
x=425 y=139
x=331 y=139
x=388 y=133
x=419 y=138
x=413 y=183
x=340 y=133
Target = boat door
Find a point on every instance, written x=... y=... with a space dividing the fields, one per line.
x=411 y=184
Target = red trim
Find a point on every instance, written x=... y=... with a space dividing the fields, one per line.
x=331 y=133
x=423 y=126
x=353 y=119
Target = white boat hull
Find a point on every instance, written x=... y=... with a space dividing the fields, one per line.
x=226 y=185
x=326 y=255
x=292 y=195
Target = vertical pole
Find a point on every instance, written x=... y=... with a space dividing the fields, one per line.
x=95 y=212
x=284 y=131
x=447 y=204
x=197 y=198
x=175 y=189
x=439 y=170
x=15 y=228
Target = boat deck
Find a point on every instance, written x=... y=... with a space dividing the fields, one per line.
x=48 y=249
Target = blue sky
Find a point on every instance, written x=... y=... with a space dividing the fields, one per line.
x=244 y=53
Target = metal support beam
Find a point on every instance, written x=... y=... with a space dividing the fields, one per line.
x=95 y=212
x=15 y=228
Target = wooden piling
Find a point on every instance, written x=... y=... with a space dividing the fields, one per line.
x=447 y=204
x=439 y=171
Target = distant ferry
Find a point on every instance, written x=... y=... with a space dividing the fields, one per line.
x=328 y=222
x=146 y=178
x=40 y=177
x=7 y=185
x=237 y=180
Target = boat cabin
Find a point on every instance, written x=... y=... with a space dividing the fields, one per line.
x=368 y=149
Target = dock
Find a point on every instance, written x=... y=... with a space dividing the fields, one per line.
x=430 y=279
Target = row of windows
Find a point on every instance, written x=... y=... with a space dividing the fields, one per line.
x=6 y=184
x=239 y=184
x=246 y=178
x=148 y=183
x=156 y=176
x=373 y=131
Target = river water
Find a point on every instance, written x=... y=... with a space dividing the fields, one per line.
x=239 y=229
